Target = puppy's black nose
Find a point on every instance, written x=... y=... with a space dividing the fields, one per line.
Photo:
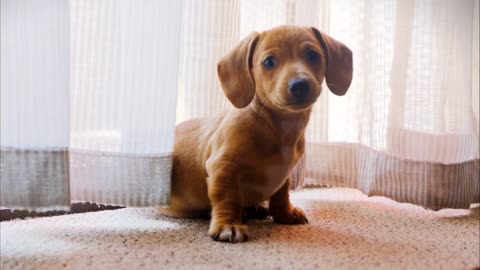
x=299 y=87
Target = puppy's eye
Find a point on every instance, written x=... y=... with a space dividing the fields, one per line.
x=313 y=57
x=270 y=62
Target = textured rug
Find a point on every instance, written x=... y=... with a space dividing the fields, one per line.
x=347 y=230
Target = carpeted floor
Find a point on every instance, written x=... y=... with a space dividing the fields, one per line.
x=347 y=230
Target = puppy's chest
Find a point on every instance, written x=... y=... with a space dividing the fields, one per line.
x=272 y=169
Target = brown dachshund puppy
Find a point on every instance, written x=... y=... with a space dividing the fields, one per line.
x=244 y=156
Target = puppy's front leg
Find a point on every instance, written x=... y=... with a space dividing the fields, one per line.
x=282 y=209
x=226 y=224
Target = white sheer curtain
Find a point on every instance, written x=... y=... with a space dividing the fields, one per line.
x=34 y=104
x=89 y=88
x=35 y=119
x=407 y=128
x=88 y=92
x=124 y=62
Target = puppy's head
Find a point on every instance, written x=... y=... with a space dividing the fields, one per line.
x=285 y=68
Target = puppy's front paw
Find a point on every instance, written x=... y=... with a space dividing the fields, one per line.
x=232 y=233
x=293 y=215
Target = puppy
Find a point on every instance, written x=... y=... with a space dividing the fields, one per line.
x=238 y=159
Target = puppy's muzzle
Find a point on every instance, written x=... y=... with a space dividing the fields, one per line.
x=299 y=88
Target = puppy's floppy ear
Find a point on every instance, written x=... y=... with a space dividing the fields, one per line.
x=234 y=72
x=339 y=63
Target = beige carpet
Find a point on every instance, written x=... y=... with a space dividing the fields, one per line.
x=347 y=230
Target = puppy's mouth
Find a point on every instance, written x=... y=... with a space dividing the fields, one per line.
x=285 y=100
x=301 y=103
x=293 y=104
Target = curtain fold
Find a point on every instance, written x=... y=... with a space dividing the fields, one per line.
x=89 y=94
x=124 y=74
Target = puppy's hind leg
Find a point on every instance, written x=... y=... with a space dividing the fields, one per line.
x=259 y=211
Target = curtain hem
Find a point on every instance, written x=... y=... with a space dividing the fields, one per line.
x=427 y=184
x=121 y=180
x=34 y=180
